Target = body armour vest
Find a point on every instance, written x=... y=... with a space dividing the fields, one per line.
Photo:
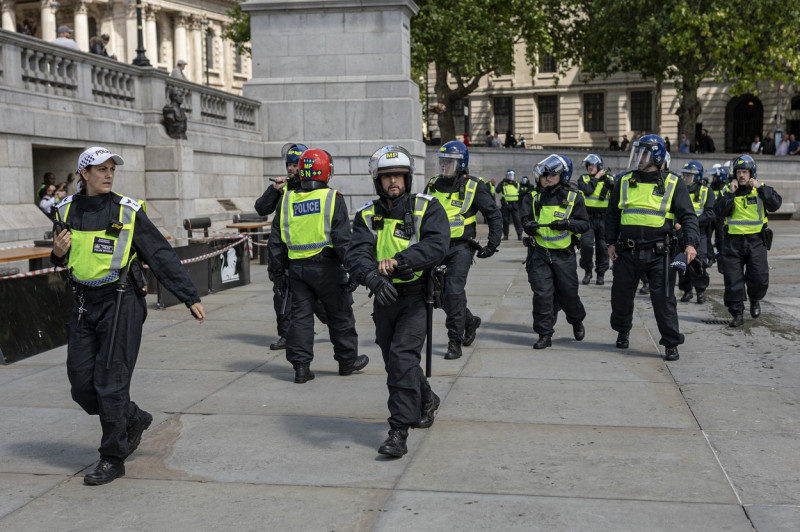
x=306 y=217
x=748 y=216
x=457 y=204
x=551 y=238
x=643 y=204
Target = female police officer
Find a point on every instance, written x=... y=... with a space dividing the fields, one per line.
x=100 y=237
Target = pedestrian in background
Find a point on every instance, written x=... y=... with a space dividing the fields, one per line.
x=65 y=38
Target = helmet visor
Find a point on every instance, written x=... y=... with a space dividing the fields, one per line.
x=640 y=157
x=448 y=164
x=551 y=166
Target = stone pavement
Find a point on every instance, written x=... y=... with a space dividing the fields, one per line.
x=580 y=436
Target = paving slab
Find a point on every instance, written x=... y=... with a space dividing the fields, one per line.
x=128 y=504
x=17 y=490
x=568 y=461
x=420 y=510
x=770 y=518
x=741 y=407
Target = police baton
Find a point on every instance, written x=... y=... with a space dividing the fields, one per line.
x=122 y=285
x=429 y=324
x=285 y=298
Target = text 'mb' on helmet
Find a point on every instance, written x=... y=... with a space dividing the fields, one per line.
x=316 y=168
x=454 y=150
x=646 y=151
x=291 y=152
x=695 y=169
x=391 y=159
x=594 y=159
x=554 y=164
x=746 y=162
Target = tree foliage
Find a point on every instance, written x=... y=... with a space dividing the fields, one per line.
x=466 y=40
x=238 y=30
x=687 y=41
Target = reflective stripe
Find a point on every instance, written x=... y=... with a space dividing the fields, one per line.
x=642 y=193
x=743 y=221
x=287 y=214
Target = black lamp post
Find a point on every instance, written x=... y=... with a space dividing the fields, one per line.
x=428 y=106
x=141 y=59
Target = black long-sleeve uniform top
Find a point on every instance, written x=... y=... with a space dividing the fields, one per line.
x=723 y=207
x=269 y=200
x=587 y=187
x=93 y=213
x=427 y=253
x=483 y=202
x=681 y=207
x=340 y=236
x=578 y=218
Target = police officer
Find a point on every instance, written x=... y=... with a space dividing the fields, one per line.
x=525 y=187
x=462 y=196
x=103 y=237
x=397 y=239
x=554 y=215
x=509 y=204
x=311 y=231
x=639 y=225
x=596 y=186
x=703 y=202
x=747 y=238
x=266 y=205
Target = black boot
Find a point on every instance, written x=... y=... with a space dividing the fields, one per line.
x=737 y=321
x=755 y=308
x=645 y=289
x=429 y=407
x=701 y=297
x=543 y=342
x=453 y=350
x=360 y=363
x=104 y=472
x=686 y=297
x=623 y=340
x=470 y=331
x=600 y=279
x=671 y=354
x=303 y=374
x=578 y=330
x=136 y=429
x=587 y=278
x=395 y=444
x=280 y=344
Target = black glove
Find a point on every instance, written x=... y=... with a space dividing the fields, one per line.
x=381 y=287
x=352 y=284
x=559 y=225
x=279 y=282
x=403 y=271
x=487 y=251
x=530 y=228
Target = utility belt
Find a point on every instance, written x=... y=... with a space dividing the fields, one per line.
x=658 y=247
x=765 y=235
x=325 y=255
x=137 y=282
x=596 y=213
x=409 y=289
x=454 y=243
x=529 y=241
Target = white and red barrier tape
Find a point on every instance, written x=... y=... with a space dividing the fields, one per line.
x=184 y=261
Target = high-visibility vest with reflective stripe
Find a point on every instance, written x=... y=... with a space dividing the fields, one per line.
x=306 y=217
x=456 y=208
x=593 y=200
x=510 y=192
x=96 y=257
x=639 y=204
x=391 y=238
x=551 y=238
x=748 y=216
x=700 y=202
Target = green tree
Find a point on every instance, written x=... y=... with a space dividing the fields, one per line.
x=687 y=41
x=466 y=40
x=238 y=30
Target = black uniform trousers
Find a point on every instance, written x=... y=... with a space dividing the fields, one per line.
x=286 y=318
x=458 y=261
x=99 y=391
x=628 y=268
x=510 y=211
x=400 y=333
x=696 y=275
x=553 y=276
x=320 y=277
x=746 y=270
x=593 y=242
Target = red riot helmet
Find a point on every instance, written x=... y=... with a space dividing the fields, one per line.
x=316 y=169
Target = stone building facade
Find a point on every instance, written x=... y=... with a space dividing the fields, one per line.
x=171 y=31
x=573 y=111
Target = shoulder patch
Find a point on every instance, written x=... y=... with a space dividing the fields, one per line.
x=426 y=196
x=130 y=202
x=65 y=201
x=366 y=205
